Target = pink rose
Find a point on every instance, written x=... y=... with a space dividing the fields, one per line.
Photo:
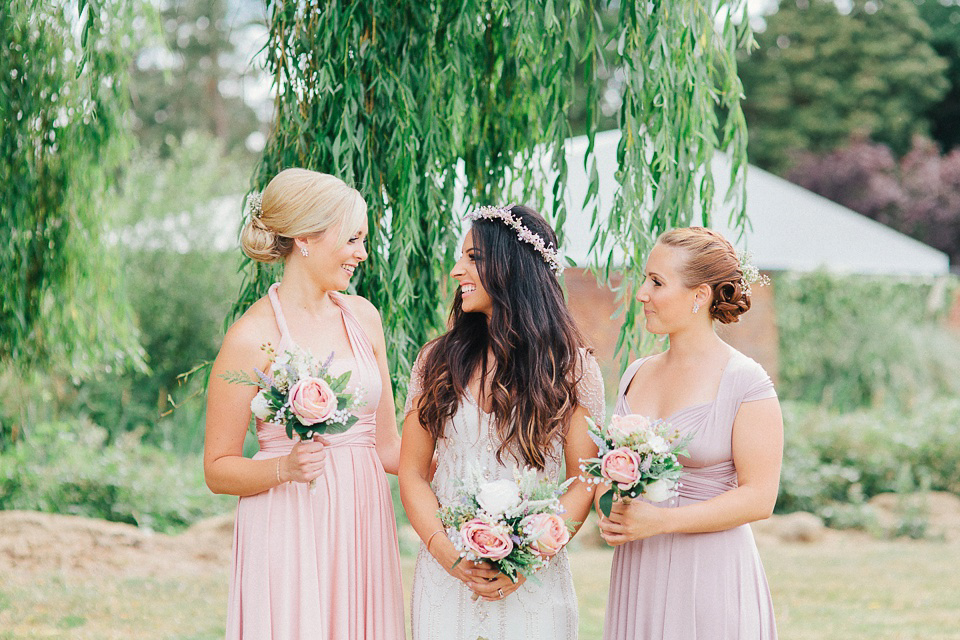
x=622 y=427
x=485 y=540
x=312 y=400
x=621 y=465
x=547 y=532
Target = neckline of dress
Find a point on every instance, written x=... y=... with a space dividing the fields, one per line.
x=473 y=400
x=285 y=329
x=689 y=407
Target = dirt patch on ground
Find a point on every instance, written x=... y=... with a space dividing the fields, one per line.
x=39 y=542
x=32 y=542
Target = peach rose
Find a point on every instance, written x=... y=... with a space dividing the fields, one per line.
x=485 y=540
x=621 y=465
x=622 y=427
x=547 y=532
x=312 y=400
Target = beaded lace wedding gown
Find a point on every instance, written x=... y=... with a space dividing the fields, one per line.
x=442 y=606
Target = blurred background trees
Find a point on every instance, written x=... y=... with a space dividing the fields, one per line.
x=859 y=101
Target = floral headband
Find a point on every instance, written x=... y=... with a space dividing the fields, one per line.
x=255 y=204
x=492 y=212
x=751 y=274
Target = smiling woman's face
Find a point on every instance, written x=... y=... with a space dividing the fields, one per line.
x=334 y=264
x=475 y=298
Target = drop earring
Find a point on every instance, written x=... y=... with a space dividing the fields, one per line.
x=304 y=252
x=696 y=306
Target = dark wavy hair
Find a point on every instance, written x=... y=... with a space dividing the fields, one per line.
x=531 y=335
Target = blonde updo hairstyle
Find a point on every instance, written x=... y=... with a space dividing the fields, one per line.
x=301 y=203
x=709 y=258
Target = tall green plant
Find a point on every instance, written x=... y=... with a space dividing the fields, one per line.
x=681 y=104
x=401 y=98
x=62 y=106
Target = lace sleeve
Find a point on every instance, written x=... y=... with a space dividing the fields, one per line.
x=590 y=392
x=415 y=386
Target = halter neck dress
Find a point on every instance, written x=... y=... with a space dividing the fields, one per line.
x=696 y=586
x=322 y=565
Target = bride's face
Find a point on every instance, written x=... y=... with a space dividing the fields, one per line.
x=474 y=297
x=667 y=302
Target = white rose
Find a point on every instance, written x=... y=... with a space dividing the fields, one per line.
x=498 y=496
x=659 y=490
x=259 y=406
x=658 y=445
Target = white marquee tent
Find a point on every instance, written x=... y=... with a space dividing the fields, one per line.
x=793 y=229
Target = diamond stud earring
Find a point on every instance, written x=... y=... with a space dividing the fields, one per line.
x=304 y=252
x=696 y=306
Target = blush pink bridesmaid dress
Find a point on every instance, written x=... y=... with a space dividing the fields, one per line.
x=696 y=586
x=323 y=565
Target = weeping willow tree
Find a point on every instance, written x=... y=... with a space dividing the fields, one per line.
x=62 y=107
x=431 y=107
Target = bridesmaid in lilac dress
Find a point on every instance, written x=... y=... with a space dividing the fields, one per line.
x=321 y=564
x=688 y=568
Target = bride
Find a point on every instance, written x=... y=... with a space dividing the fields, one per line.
x=509 y=385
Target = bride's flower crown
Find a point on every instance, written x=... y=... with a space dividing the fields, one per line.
x=492 y=212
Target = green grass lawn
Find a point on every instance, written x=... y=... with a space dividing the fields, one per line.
x=849 y=587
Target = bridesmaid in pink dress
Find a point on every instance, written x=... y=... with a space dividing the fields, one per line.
x=688 y=568
x=321 y=564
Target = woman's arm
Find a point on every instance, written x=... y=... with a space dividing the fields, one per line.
x=757 y=455
x=388 y=439
x=577 y=447
x=421 y=504
x=228 y=415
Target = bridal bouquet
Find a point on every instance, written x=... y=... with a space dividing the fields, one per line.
x=301 y=395
x=515 y=525
x=638 y=457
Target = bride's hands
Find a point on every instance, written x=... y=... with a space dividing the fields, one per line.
x=491 y=585
x=480 y=577
x=305 y=461
x=634 y=521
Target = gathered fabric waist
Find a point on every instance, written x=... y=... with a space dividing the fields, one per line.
x=273 y=438
x=704 y=483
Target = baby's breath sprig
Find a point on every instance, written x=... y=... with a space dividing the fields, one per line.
x=750 y=273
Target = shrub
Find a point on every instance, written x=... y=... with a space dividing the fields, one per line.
x=68 y=467
x=848 y=342
x=833 y=463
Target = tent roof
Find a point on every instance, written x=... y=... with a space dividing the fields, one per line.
x=793 y=229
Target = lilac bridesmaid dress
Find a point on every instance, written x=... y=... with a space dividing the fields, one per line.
x=322 y=565
x=696 y=586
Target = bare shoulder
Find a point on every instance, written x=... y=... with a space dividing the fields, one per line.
x=256 y=327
